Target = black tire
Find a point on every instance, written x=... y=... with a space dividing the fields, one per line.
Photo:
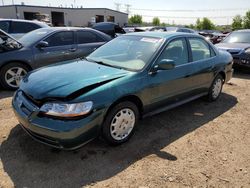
x=106 y=127
x=4 y=70
x=211 y=96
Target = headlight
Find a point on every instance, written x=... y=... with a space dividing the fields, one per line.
x=67 y=110
x=247 y=51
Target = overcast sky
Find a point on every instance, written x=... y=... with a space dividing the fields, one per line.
x=169 y=11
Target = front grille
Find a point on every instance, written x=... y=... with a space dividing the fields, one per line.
x=26 y=105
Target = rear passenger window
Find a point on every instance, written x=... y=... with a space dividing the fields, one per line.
x=22 y=27
x=177 y=51
x=88 y=37
x=200 y=49
x=61 y=39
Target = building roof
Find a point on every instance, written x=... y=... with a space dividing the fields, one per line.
x=68 y=8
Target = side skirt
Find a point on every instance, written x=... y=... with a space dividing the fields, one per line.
x=174 y=105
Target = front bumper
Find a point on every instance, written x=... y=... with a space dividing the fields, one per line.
x=241 y=61
x=63 y=134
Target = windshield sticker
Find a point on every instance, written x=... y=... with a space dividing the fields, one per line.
x=152 y=40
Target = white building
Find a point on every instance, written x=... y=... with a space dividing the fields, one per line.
x=59 y=16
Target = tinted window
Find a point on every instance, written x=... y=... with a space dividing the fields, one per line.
x=88 y=37
x=22 y=27
x=177 y=51
x=5 y=26
x=200 y=49
x=61 y=38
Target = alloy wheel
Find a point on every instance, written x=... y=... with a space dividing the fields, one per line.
x=14 y=75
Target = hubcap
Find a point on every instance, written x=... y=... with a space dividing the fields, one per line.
x=14 y=75
x=217 y=88
x=122 y=124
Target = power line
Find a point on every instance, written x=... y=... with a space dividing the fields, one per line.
x=190 y=10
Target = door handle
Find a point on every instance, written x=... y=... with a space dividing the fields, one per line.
x=72 y=49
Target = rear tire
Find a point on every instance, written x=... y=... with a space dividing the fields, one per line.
x=11 y=75
x=120 y=122
x=215 y=89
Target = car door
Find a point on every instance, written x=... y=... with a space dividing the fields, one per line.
x=202 y=63
x=87 y=42
x=170 y=86
x=61 y=47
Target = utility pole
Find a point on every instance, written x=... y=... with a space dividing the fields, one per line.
x=3 y=2
x=117 y=5
x=127 y=8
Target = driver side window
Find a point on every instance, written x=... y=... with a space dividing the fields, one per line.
x=176 y=50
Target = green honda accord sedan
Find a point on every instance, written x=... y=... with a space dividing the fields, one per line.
x=133 y=76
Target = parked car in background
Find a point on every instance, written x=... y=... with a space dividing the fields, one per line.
x=132 y=76
x=18 y=28
x=43 y=47
x=110 y=28
x=213 y=36
x=238 y=44
x=172 y=29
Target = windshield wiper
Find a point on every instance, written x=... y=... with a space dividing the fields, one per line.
x=101 y=63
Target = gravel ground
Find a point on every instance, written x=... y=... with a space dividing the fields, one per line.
x=198 y=144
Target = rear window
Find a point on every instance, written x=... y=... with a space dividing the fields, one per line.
x=22 y=27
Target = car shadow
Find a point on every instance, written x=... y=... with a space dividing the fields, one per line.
x=5 y=94
x=31 y=164
x=241 y=75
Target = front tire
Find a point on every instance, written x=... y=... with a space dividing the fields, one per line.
x=120 y=122
x=11 y=75
x=215 y=89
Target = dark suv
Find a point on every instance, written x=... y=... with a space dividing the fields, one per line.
x=17 y=28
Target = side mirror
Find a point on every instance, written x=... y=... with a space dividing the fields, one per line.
x=42 y=44
x=165 y=64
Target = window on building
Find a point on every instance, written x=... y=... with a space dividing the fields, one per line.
x=110 y=19
x=99 y=18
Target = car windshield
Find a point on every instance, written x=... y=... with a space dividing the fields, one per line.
x=238 y=37
x=127 y=52
x=34 y=36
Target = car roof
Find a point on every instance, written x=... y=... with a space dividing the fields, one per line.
x=165 y=35
x=51 y=29
x=26 y=21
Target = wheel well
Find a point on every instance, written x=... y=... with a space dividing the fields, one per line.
x=223 y=75
x=23 y=62
x=131 y=98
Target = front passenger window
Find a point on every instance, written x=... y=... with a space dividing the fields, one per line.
x=177 y=51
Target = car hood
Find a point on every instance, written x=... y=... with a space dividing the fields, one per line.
x=68 y=80
x=233 y=46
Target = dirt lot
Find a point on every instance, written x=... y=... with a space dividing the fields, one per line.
x=199 y=144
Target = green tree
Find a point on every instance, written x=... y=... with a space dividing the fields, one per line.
x=136 y=19
x=156 y=21
x=198 y=24
x=246 y=20
x=237 y=22
x=207 y=24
